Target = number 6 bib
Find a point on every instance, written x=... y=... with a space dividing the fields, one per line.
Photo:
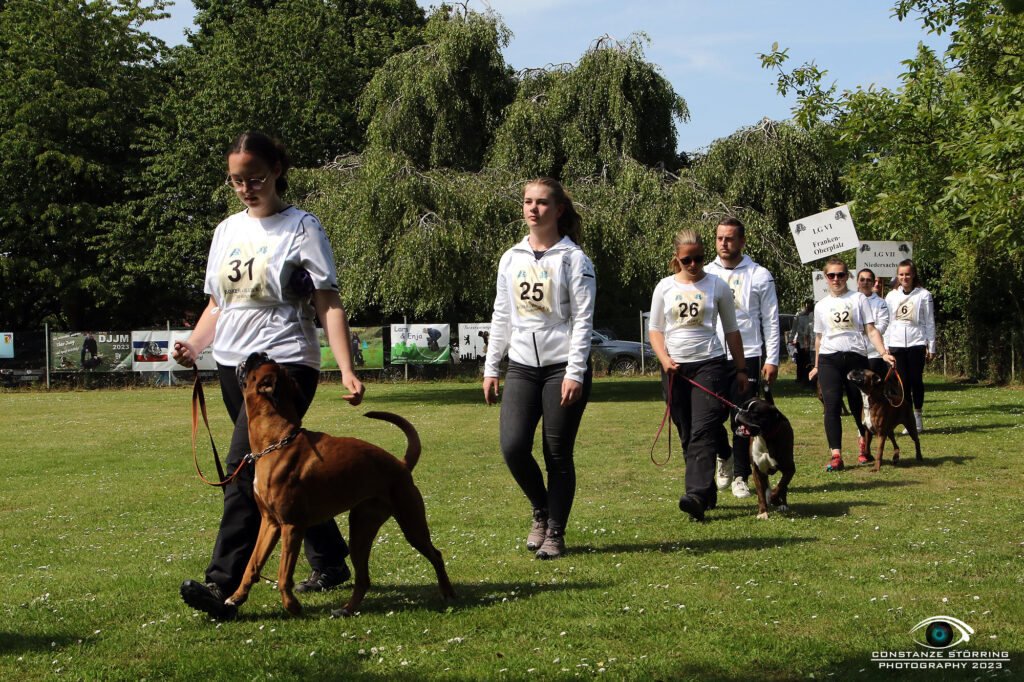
x=905 y=311
x=533 y=284
x=688 y=309
x=243 y=273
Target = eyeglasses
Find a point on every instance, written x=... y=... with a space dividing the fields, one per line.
x=690 y=260
x=837 y=275
x=238 y=184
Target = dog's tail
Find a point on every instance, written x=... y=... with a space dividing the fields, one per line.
x=412 y=451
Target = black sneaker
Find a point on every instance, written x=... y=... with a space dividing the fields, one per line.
x=693 y=506
x=327 y=579
x=208 y=598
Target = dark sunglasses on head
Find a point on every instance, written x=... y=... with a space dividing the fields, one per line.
x=690 y=260
x=837 y=275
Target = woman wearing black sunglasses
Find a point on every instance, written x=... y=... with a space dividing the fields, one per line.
x=684 y=310
x=842 y=322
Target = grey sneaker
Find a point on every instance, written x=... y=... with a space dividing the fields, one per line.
x=919 y=422
x=740 y=489
x=723 y=473
x=553 y=547
x=208 y=598
x=328 y=579
x=539 y=531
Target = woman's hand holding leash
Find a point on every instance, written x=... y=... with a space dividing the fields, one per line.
x=184 y=353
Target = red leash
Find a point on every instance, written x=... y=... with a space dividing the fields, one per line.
x=668 y=405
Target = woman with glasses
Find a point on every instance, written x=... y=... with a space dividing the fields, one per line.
x=843 y=323
x=684 y=311
x=270 y=268
x=911 y=337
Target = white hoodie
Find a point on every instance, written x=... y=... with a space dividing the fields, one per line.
x=757 y=306
x=543 y=308
x=911 y=319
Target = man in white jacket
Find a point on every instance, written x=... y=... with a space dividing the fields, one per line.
x=757 y=313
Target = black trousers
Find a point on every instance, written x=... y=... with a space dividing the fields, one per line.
x=803 y=364
x=531 y=393
x=910 y=364
x=832 y=371
x=240 y=522
x=700 y=419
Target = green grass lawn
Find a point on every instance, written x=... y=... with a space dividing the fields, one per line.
x=102 y=517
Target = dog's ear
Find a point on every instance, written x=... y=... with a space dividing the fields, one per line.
x=267 y=387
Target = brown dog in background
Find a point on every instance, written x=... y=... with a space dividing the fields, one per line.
x=882 y=412
x=310 y=477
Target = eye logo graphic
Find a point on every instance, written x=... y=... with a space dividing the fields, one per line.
x=940 y=632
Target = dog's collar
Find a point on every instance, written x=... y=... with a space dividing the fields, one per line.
x=253 y=456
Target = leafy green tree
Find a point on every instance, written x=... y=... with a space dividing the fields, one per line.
x=75 y=81
x=439 y=103
x=291 y=68
x=580 y=121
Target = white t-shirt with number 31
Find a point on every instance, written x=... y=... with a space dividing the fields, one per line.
x=251 y=262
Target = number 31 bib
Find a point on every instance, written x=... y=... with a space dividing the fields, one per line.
x=243 y=273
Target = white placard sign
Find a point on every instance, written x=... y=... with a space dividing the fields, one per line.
x=820 y=285
x=473 y=340
x=883 y=257
x=824 y=234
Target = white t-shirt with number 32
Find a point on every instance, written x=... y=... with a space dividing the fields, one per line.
x=840 y=321
x=250 y=264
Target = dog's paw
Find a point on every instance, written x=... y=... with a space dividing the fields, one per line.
x=763 y=515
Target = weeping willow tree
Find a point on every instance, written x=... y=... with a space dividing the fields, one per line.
x=419 y=219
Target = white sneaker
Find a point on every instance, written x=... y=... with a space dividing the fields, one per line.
x=740 y=489
x=723 y=473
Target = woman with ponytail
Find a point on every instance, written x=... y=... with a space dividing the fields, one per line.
x=270 y=268
x=684 y=312
x=544 y=316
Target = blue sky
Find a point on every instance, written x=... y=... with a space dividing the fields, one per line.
x=707 y=49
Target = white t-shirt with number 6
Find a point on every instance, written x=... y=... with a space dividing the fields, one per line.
x=686 y=314
x=840 y=320
x=250 y=264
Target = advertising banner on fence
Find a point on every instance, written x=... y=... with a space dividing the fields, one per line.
x=473 y=340
x=420 y=344
x=367 y=344
x=883 y=257
x=6 y=345
x=94 y=351
x=824 y=234
x=151 y=352
x=820 y=284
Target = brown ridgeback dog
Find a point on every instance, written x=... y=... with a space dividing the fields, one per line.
x=882 y=414
x=303 y=478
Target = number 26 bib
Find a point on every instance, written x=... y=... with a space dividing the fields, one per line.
x=688 y=309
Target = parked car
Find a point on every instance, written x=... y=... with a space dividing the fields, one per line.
x=622 y=358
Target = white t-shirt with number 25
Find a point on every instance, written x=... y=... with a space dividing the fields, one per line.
x=840 y=320
x=251 y=262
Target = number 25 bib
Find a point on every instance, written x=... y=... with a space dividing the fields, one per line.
x=688 y=309
x=533 y=285
x=243 y=273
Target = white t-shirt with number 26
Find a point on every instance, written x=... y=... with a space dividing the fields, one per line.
x=686 y=315
x=840 y=320
x=251 y=262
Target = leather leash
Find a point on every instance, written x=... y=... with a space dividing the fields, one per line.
x=664 y=418
x=199 y=406
x=903 y=391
